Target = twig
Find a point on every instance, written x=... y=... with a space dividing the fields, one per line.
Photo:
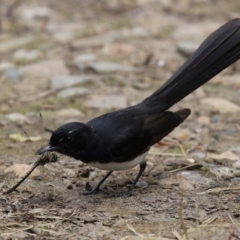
x=39 y=96
x=45 y=158
x=48 y=130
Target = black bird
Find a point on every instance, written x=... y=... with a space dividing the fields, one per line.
x=121 y=139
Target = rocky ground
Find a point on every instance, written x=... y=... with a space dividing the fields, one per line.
x=74 y=60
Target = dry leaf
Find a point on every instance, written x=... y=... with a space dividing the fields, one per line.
x=225 y=155
x=21 y=138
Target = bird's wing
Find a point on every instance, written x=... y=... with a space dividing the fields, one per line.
x=120 y=131
x=133 y=133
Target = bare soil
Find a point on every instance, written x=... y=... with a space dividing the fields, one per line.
x=178 y=197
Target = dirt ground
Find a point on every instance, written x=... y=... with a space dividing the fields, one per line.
x=190 y=189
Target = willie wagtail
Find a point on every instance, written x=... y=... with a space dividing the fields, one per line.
x=121 y=139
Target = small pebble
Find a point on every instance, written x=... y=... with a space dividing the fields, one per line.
x=13 y=74
x=85 y=173
x=142 y=184
x=83 y=58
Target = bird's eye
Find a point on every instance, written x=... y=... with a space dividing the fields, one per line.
x=68 y=139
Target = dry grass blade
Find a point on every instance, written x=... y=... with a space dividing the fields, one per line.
x=182 y=222
x=156 y=151
x=186 y=167
x=17 y=231
x=217 y=190
x=38 y=96
x=168 y=139
x=230 y=217
x=210 y=220
x=177 y=235
x=132 y=229
x=45 y=158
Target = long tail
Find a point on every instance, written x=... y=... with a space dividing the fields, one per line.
x=218 y=51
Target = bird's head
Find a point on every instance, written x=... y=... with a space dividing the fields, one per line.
x=68 y=139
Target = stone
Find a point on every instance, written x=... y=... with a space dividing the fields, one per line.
x=5 y=66
x=52 y=27
x=88 y=42
x=18 y=118
x=187 y=48
x=196 y=178
x=180 y=134
x=4 y=108
x=236 y=164
x=11 y=44
x=13 y=74
x=101 y=39
x=142 y=184
x=227 y=80
x=116 y=49
x=34 y=17
x=66 y=32
x=161 y=63
x=106 y=102
x=108 y=67
x=139 y=32
x=31 y=13
x=195 y=32
x=63 y=36
x=204 y=120
x=222 y=105
x=59 y=82
x=51 y=68
x=69 y=112
x=69 y=172
x=71 y=92
x=26 y=55
x=224 y=172
x=85 y=58
x=198 y=155
x=228 y=155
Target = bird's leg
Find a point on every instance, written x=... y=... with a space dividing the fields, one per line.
x=129 y=192
x=97 y=188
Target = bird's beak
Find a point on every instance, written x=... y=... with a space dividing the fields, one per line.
x=46 y=148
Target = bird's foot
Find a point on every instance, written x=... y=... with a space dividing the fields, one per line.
x=94 y=191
